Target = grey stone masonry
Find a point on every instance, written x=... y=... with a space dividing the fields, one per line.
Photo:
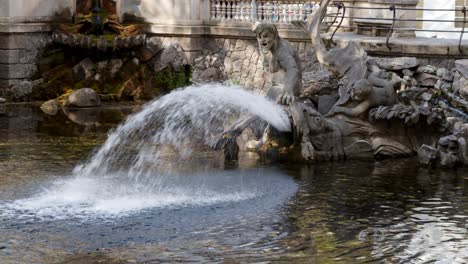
x=19 y=53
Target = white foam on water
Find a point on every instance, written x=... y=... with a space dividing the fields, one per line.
x=81 y=197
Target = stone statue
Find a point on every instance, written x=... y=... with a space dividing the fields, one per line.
x=341 y=137
x=285 y=68
x=366 y=94
x=345 y=132
x=284 y=65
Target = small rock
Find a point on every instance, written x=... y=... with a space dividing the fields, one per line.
x=114 y=66
x=448 y=160
x=462 y=67
x=317 y=82
x=210 y=74
x=85 y=97
x=426 y=79
x=101 y=66
x=427 y=155
x=407 y=72
x=50 y=107
x=148 y=52
x=84 y=70
x=463 y=150
x=426 y=96
x=445 y=74
x=426 y=69
x=2 y=100
x=22 y=89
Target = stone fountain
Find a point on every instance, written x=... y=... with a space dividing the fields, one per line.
x=382 y=111
x=99 y=29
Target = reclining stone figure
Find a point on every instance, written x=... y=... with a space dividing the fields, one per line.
x=367 y=94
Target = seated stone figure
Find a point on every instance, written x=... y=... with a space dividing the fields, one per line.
x=285 y=68
x=366 y=94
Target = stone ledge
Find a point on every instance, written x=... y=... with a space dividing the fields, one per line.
x=418 y=47
x=229 y=29
x=25 y=27
x=395 y=2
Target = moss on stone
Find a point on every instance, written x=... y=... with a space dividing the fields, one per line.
x=169 y=79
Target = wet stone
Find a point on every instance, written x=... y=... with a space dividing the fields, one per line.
x=448 y=160
x=50 y=107
x=85 y=97
x=427 y=154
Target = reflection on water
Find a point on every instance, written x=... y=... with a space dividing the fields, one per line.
x=387 y=212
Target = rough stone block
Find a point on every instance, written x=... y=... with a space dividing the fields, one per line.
x=237 y=66
x=325 y=103
x=22 y=89
x=395 y=64
x=17 y=71
x=240 y=45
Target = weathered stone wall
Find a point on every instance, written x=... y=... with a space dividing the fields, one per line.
x=236 y=60
x=19 y=54
x=25 y=27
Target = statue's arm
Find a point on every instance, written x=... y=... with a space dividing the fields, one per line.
x=353 y=112
x=289 y=64
x=375 y=80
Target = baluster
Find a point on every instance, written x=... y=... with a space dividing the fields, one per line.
x=232 y=10
x=284 y=18
x=246 y=11
x=241 y=15
x=268 y=11
x=221 y=10
x=262 y=11
x=236 y=10
x=253 y=11
x=225 y=10
x=290 y=11
x=308 y=10
x=301 y=13
x=286 y=11
x=216 y=9
x=273 y=11
x=294 y=10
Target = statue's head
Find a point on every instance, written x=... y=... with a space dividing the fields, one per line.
x=361 y=90
x=315 y=120
x=267 y=35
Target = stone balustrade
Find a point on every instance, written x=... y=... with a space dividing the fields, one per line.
x=250 y=10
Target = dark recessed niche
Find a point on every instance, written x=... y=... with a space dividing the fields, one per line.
x=85 y=6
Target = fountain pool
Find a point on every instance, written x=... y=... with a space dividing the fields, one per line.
x=203 y=210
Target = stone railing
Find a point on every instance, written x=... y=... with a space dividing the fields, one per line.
x=251 y=10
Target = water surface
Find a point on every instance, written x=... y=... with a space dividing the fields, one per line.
x=352 y=212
